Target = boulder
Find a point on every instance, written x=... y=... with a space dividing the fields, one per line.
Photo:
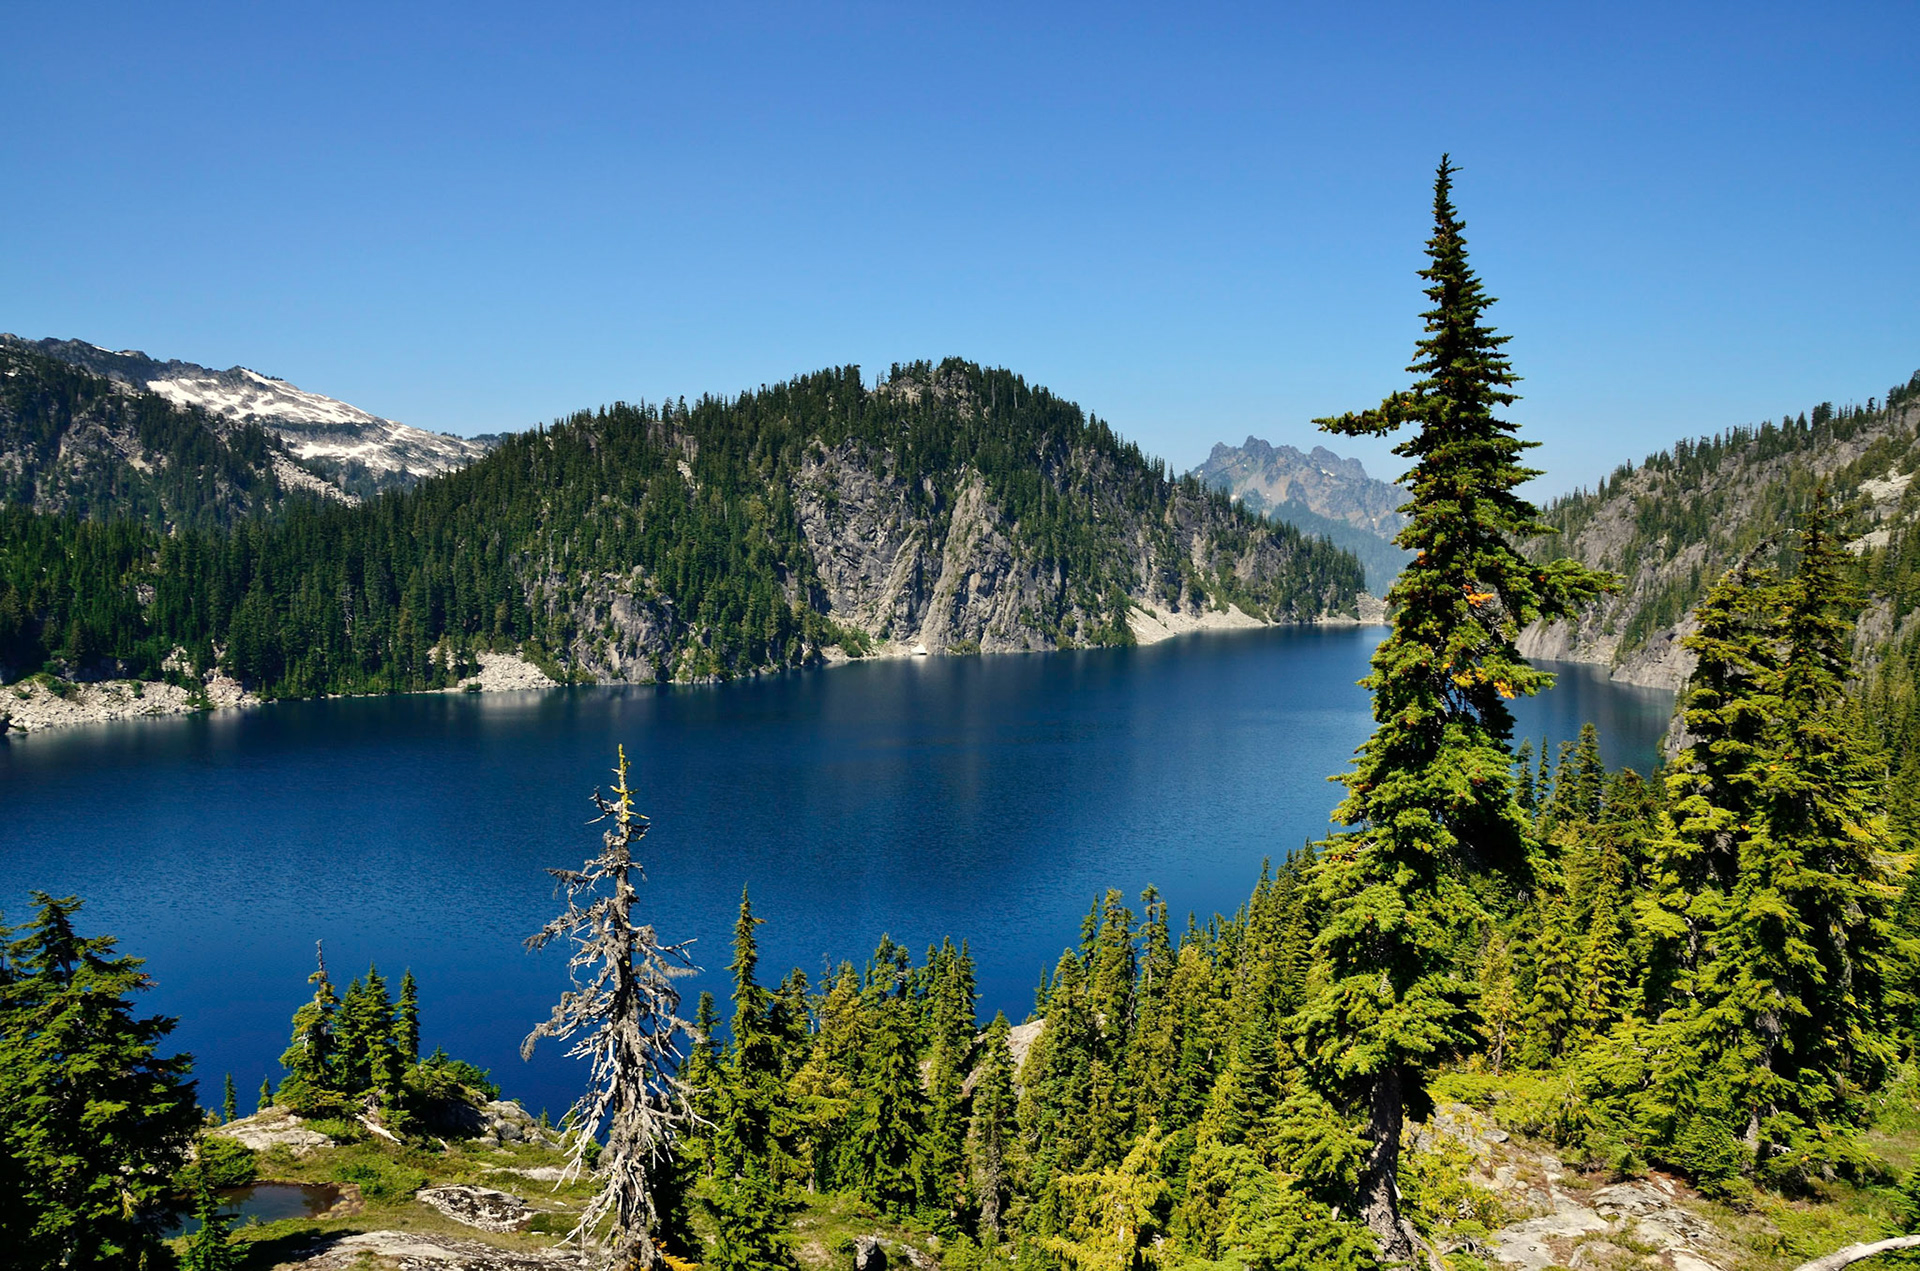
x=869 y=1254
x=480 y=1207
x=274 y=1127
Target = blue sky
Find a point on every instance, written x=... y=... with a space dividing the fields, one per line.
x=1199 y=221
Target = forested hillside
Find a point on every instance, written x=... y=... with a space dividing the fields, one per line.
x=952 y=507
x=1677 y=521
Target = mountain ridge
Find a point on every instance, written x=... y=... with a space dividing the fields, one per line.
x=355 y=450
x=950 y=507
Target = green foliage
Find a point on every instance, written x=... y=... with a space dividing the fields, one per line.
x=225 y=1162
x=96 y=1121
x=380 y=1177
x=210 y=1248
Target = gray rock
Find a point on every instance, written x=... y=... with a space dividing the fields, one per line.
x=480 y=1207
x=418 y=1252
x=869 y=1254
x=275 y=1127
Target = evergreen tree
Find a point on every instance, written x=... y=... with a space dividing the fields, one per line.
x=1795 y=1012
x=888 y=1139
x=951 y=1015
x=407 y=1020
x=1605 y=973
x=1112 y=1215
x=309 y=1058
x=1523 y=779
x=229 y=1108
x=1726 y=710
x=264 y=1099
x=209 y=1248
x=747 y=1204
x=1551 y=1011
x=95 y=1121
x=703 y=1077
x=1432 y=790
x=1499 y=1003
x=1589 y=775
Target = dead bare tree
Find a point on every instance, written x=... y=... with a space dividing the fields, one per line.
x=625 y=1007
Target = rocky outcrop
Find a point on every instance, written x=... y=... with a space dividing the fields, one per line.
x=1561 y=1223
x=480 y=1207
x=33 y=705
x=274 y=1127
x=503 y=673
x=418 y=1251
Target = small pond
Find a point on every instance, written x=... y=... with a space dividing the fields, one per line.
x=261 y=1202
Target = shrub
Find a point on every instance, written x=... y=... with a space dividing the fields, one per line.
x=379 y=1178
x=226 y=1162
x=339 y=1129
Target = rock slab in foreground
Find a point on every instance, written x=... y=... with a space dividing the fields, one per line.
x=480 y=1207
x=417 y=1252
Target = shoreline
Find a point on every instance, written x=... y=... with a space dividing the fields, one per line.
x=30 y=706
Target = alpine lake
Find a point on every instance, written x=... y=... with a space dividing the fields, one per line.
x=986 y=799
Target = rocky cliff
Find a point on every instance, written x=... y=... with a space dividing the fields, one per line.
x=910 y=535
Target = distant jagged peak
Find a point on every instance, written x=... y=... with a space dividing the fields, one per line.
x=360 y=451
x=1271 y=479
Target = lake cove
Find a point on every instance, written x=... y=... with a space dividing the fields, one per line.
x=988 y=799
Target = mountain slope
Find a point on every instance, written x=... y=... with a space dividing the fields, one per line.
x=1319 y=493
x=949 y=507
x=359 y=452
x=75 y=443
x=1674 y=524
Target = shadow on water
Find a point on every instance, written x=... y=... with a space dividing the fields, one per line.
x=260 y=1202
x=989 y=799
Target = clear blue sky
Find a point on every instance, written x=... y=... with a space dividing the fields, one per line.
x=1200 y=222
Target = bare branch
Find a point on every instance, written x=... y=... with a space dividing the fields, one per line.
x=624 y=1010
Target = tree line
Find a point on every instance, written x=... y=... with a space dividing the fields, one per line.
x=685 y=514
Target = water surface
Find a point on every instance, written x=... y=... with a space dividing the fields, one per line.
x=988 y=799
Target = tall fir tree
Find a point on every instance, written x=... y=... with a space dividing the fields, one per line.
x=1432 y=790
x=309 y=1057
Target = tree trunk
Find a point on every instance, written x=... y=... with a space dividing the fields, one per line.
x=1379 y=1188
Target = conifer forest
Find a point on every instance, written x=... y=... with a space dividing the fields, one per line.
x=1706 y=975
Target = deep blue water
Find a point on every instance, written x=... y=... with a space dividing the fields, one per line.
x=988 y=799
